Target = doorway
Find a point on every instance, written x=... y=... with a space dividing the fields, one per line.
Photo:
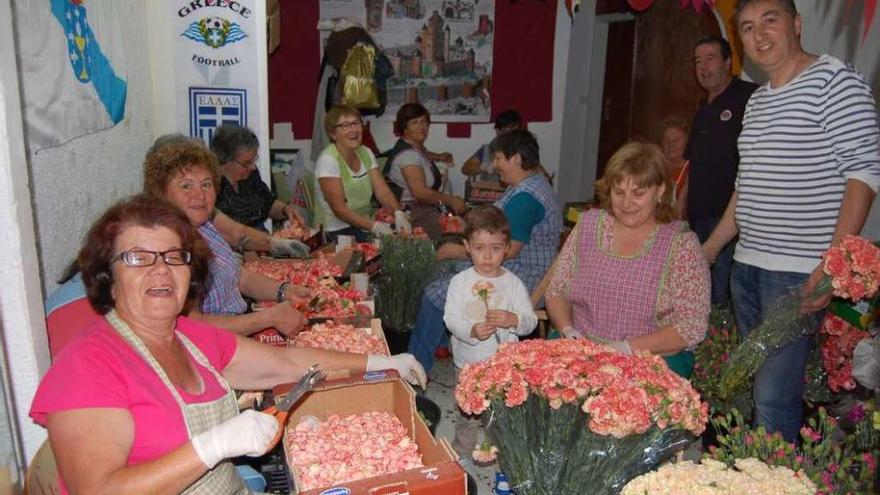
x=649 y=74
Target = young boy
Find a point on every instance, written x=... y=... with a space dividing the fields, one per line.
x=485 y=305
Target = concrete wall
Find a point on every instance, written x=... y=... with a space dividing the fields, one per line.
x=23 y=327
x=76 y=181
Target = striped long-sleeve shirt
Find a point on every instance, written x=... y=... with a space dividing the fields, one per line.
x=799 y=145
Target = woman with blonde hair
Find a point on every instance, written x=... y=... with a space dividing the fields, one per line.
x=629 y=276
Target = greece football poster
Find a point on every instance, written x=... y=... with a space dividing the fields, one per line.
x=215 y=50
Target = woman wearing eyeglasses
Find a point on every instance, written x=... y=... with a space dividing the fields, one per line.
x=348 y=177
x=143 y=401
x=243 y=195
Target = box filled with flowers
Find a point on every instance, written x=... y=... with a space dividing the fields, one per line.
x=568 y=414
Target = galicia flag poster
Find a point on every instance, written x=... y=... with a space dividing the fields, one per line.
x=73 y=68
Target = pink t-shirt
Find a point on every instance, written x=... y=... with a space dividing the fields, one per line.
x=101 y=370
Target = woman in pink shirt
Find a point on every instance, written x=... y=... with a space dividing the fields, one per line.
x=630 y=276
x=143 y=401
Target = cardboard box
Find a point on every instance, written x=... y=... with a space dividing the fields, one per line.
x=270 y=336
x=315 y=239
x=373 y=327
x=572 y=211
x=858 y=314
x=484 y=192
x=384 y=392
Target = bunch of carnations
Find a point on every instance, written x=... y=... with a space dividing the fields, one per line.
x=293 y=229
x=840 y=340
x=350 y=448
x=307 y=273
x=852 y=271
x=711 y=355
x=369 y=249
x=567 y=414
x=340 y=337
x=826 y=456
x=333 y=301
x=716 y=478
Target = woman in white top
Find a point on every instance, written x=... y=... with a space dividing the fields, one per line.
x=348 y=176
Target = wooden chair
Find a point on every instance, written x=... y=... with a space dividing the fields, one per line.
x=42 y=473
x=537 y=295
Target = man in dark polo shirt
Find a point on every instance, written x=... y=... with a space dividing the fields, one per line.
x=712 y=150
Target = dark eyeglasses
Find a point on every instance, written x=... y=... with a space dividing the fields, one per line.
x=142 y=257
x=248 y=164
x=345 y=126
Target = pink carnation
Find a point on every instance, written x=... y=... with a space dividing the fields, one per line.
x=622 y=395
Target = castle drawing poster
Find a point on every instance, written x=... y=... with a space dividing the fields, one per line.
x=441 y=51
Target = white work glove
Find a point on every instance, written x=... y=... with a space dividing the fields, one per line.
x=381 y=228
x=405 y=364
x=620 y=346
x=288 y=248
x=401 y=221
x=249 y=434
x=571 y=333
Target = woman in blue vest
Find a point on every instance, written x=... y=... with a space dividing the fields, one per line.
x=348 y=177
x=535 y=217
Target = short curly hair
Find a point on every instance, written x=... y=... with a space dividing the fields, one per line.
x=163 y=164
x=335 y=113
x=518 y=142
x=231 y=139
x=646 y=165
x=98 y=251
x=675 y=122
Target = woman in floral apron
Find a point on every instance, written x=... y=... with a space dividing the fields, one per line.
x=348 y=176
x=629 y=276
x=142 y=402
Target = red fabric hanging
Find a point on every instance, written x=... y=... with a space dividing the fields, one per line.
x=458 y=130
x=293 y=68
x=522 y=76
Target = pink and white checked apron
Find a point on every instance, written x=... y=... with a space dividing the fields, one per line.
x=612 y=296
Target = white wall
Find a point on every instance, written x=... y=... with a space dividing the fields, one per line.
x=76 y=181
x=23 y=327
x=547 y=133
x=826 y=29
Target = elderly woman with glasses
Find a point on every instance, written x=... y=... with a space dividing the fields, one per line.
x=143 y=402
x=348 y=177
x=243 y=195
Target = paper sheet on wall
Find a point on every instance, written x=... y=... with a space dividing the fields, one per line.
x=215 y=65
x=441 y=51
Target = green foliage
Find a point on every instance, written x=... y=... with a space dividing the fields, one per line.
x=827 y=456
x=711 y=356
x=407 y=265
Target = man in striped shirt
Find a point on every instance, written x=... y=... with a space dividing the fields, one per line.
x=809 y=169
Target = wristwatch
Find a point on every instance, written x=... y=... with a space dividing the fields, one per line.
x=280 y=296
x=242 y=242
